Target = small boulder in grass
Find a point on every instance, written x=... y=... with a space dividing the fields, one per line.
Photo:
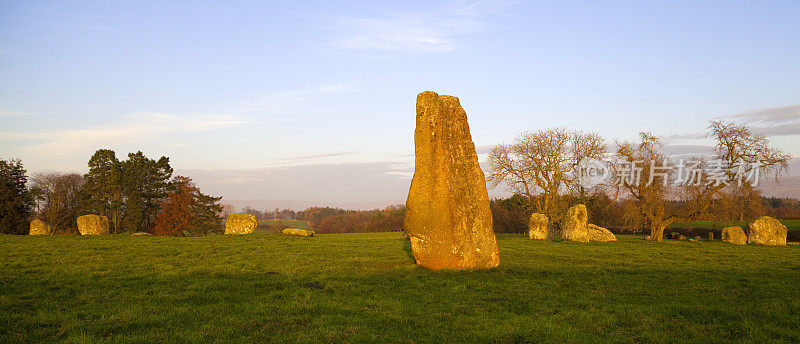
x=240 y=223
x=681 y=237
x=766 y=231
x=597 y=233
x=93 y=225
x=38 y=227
x=298 y=232
x=576 y=224
x=734 y=235
x=537 y=226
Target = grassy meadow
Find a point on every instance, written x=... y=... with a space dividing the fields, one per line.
x=365 y=288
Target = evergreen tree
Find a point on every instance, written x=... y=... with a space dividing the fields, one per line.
x=15 y=201
x=144 y=184
x=206 y=210
x=102 y=190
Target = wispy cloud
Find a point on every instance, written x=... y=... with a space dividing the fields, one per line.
x=777 y=121
x=319 y=156
x=5 y=113
x=382 y=181
x=415 y=32
x=137 y=127
x=288 y=100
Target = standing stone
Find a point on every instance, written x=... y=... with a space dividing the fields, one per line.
x=734 y=235
x=576 y=224
x=447 y=212
x=766 y=231
x=240 y=223
x=38 y=227
x=537 y=226
x=93 y=225
x=597 y=233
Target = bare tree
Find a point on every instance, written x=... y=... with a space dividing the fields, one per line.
x=58 y=194
x=651 y=197
x=538 y=165
x=740 y=156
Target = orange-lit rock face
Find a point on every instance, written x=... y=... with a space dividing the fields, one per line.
x=734 y=235
x=93 y=225
x=537 y=226
x=597 y=233
x=240 y=223
x=766 y=231
x=576 y=225
x=447 y=217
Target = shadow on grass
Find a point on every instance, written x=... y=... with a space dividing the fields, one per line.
x=407 y=248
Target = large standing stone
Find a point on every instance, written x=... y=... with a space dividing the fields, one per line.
x=576 y=224
x=447 y=212
x=93 y=225
x=734 y=235
x=766 y=231
x=537 y=226
x=597 y=233
x=38 y=227
x=240 y=223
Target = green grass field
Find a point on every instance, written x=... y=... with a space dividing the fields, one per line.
x=366 y=288
x=790 y=224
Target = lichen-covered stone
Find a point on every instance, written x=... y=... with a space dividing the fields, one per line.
x=447 y=212
x=38 y=227
x=734 y=235
x=93 y=225
x=766 y=231
x=597 y=233
x=240 y=223
x=537 y=226
x=576 y=224
x=298 y=232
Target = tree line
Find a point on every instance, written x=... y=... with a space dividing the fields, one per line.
x=138 y=194
x=334 y=220
x=540 y=169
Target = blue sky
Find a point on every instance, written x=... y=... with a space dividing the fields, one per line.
x=315 y=100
